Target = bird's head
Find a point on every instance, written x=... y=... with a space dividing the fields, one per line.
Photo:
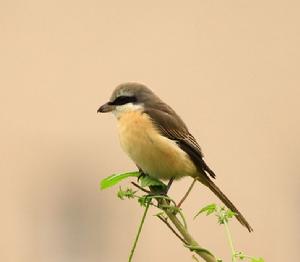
x=128 y=97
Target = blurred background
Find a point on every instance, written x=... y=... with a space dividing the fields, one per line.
x=229 y=68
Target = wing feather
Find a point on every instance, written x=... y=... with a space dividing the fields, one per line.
x=171 y=126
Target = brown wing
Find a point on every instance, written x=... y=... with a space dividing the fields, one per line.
x=171 y=126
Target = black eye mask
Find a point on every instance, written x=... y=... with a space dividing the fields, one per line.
x=122 y=100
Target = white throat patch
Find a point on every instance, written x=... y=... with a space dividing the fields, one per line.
x=129 y=107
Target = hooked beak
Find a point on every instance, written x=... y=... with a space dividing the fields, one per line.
x=108 y=107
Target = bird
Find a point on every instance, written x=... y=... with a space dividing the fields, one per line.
x=158 y=141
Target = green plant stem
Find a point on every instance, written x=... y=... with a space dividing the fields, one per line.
x=233 y=258
x=139 y=231
x=172 y=229
x=165 y=206
x=205 y=254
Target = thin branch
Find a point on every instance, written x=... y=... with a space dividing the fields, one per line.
x=187 y=193
x=205 y=254
x=139 y=232
x=192 y=244
x=183 y=235
x=139 y=187
x=233 y=252
x=172 y=229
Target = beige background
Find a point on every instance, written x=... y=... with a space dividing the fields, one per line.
x=229 y=68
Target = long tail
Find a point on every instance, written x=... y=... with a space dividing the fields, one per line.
x=211 y=185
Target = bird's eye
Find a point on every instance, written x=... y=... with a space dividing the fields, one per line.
x=122 y=100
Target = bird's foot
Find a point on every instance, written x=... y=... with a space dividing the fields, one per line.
x=162 y=190
x=169 y=185
x=142 y=174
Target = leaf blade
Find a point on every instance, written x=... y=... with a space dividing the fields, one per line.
x=209 y=209
x=116 y=178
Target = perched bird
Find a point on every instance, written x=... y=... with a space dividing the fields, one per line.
x=158 y=141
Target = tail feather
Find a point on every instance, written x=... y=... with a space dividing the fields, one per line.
x=212 y=186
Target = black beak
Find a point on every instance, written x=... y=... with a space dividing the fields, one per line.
x=108 y=107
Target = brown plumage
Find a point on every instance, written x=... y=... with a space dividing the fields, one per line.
x=158 y=141
x=171 y=126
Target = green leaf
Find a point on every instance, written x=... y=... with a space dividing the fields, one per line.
x=116 y=178
x=257 y=260
x=239 y=255
x=128 y=193
x=209 y=209
x=144 y=200
x=147 y=181
x=230 y=214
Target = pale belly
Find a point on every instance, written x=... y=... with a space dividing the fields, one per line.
x=155 y=154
